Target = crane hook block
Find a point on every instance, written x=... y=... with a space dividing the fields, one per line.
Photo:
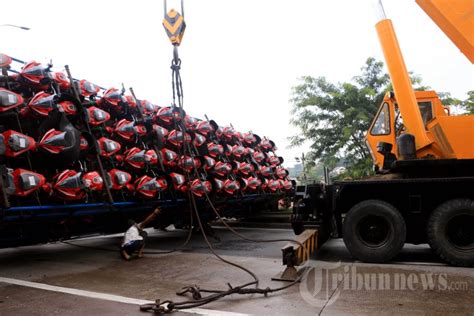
x=174 y=25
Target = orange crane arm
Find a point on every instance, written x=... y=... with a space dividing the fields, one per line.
x=401 y=83
x=456 y=19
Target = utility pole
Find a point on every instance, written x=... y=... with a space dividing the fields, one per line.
x=302 y=159
x=304 y=169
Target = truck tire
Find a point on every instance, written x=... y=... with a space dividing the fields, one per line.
x=296 y=220
x=298 y=226
x=450 y=232
x=374 y=231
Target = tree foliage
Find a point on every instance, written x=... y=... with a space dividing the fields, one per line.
x=468 y=104
x=335 y=117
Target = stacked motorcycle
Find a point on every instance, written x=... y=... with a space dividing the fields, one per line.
x=63 y=140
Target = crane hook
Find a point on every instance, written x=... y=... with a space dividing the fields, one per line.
x=174 y=24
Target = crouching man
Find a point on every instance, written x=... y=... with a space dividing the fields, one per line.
x=135 y=237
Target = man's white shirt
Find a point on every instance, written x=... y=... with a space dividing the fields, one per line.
x=131 y=234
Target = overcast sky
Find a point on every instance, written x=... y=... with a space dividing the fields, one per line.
x=240 y=57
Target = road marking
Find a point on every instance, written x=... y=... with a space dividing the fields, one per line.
x=109 y=297
x=409 y=263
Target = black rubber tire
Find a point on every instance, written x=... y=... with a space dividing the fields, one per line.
x=439 y=231
x=295 y=220
x=391 y=226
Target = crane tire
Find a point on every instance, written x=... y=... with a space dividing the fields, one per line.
x=451 y=233
x=374 y=231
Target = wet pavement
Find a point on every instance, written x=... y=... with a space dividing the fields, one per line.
x=415 y=283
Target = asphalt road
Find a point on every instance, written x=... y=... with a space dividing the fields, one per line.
x=87 y=277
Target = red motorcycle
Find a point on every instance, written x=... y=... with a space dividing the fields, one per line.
x=108 y=147
x=252 y=183
x=96 y=116
x=14 y=143
x=73 y=185
x=179 y=182
x=139 y=158
x=9 y=100
x=36 y=74
x=21 y=182
x=177 y=138
x=168 y=157
x=113 y=98
x=231 y=187
x=119 y=179
x=5 y=61
x=54 y=141
x=148 y=108
x=88 y=89
x=188 y=164
x=149 y=187
x=200 y=188
x=222 y=168
x=40 y=76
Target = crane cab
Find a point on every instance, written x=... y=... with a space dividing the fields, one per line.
x=450 y=136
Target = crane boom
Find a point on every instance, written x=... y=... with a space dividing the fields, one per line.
x=455 y=19
x=401 y=82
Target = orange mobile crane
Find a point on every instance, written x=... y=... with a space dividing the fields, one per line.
x=427 y=130
x=424 y=159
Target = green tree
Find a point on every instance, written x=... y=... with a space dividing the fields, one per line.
x=465 y=105
x=335 y=117
x=468 y=104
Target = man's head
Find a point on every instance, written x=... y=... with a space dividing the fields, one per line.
x=130 y=222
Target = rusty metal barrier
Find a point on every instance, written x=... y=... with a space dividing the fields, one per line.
x=295 y=255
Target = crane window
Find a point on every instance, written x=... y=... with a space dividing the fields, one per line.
x=382 y=123
x=426 y=111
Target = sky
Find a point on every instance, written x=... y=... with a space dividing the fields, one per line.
x=240 y=58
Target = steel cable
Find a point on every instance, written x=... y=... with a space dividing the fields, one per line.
x=168 y=305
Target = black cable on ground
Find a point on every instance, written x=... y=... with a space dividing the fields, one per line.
x=117 y=250
x=190 y=233
x=87 y=247
x=169 y=306
x=198 y=300
x=156 y=252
